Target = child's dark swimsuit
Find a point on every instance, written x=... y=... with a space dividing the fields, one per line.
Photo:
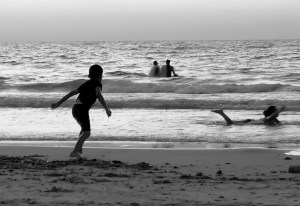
x=248 y=120
x=81 y=114
x=87 y=96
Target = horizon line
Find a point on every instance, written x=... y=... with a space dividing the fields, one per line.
x=44 y=41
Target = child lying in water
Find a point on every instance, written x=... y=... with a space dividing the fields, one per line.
x=271 y=114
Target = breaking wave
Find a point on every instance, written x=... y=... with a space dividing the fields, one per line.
x=170 y=86
x=125 y=102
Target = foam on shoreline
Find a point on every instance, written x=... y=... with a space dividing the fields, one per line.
x=152 y=145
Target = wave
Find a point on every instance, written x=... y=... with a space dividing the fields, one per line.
x=293 y=76
x=67 y=57
x=144 y=102
x=150 y=58
x=160 y=85
x=264 y=57
x=3 y=78
x=181 y=48
x=65 y=86
x=259 y=45
x=122 y=73
x=14 y=63
x=163 y=85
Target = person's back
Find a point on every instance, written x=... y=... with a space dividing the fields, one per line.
x=167 y=70
x=155 y=70
x=163 y=71
x=87 y=95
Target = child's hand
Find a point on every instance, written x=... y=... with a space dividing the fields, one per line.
x=108 y=112
x=54 y=106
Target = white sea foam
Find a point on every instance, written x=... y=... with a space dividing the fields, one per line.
x=156 y=125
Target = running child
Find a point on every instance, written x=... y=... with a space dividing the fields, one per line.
x=88 y=93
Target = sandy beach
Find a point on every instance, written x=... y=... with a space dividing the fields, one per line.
x=32 y=175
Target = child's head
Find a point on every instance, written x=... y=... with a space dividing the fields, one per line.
x=269 y=111
x=95 y=72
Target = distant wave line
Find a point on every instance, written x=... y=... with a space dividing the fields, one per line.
x=179 y=86
x=150 y=103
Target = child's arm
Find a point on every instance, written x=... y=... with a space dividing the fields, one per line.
x=276 y=113
x=102 y=101
x=175 y=75
x=57 y=104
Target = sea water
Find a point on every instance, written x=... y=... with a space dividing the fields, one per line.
x=241 y=77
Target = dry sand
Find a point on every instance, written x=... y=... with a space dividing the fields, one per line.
x=45 y=176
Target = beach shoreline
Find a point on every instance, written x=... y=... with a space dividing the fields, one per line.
x=158 y=176
x=153 y=145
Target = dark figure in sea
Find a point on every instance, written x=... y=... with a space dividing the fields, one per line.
x=155 y=70
x=167 y=70
x=270 y=117
x=88 y=93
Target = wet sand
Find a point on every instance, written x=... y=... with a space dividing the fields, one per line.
x=45 y=176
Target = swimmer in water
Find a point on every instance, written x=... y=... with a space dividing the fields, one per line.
x=155 y=70
x=270 y=117
x=167 y=70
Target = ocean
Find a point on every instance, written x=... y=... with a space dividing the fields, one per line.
x=241 y=77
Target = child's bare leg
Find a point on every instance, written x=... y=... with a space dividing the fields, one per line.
x=221 y=112
x=83 y=136
x=80 y=133
x=80 y=152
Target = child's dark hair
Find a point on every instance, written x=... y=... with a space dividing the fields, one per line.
x=269 y=111
x=95 y=71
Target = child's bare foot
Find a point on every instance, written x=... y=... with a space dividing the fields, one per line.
x=218 y=111
x=76 y=155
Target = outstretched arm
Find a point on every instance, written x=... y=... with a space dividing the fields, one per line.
x=102 y=101
x=66 y=97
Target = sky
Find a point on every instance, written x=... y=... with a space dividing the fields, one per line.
x=138 y=20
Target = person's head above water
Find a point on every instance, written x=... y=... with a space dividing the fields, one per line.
x=269 y=111
x=155 y=63
x=95 y=72
x=167 y=61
